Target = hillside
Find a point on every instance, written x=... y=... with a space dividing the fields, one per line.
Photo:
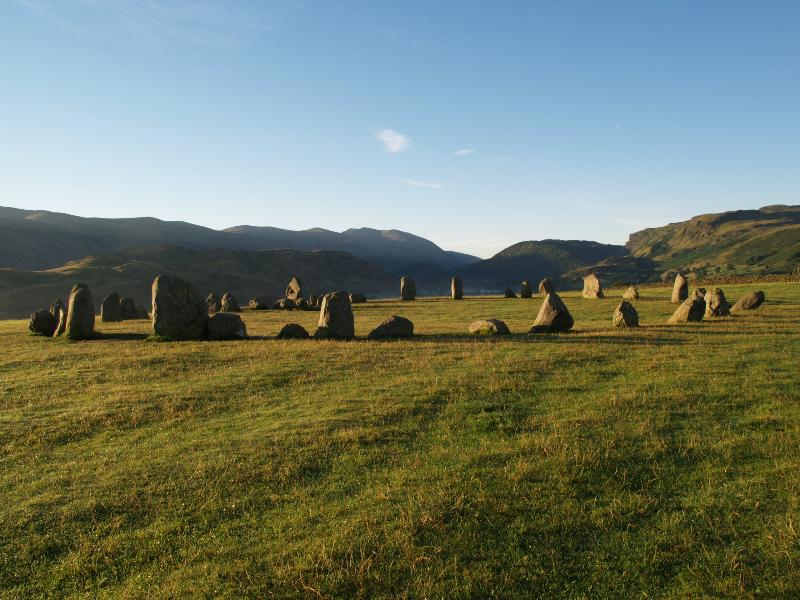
x=44 y=240
x=245 y=273
x=742 y=241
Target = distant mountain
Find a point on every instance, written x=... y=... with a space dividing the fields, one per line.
x=534 y=260
x=45 y=240
x=742 y=241
x=244 y=273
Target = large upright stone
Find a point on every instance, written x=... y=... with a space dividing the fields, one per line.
x=179 y=311
x=456 y=288
x=546 y=287
x=592 y=288
x=691 y=310
x=525 y=291
x=110 y=309
x=625 y=315
x=42 y=322
x=229 y=303
x=680 y=289
x=408 y=289
x=716 y=304
x=631 y=293
x=749 y=301
x=127 y=308
x=553 y=316
x=393 y=327
x=336 y=317
x=80 y=314
x=294 y=291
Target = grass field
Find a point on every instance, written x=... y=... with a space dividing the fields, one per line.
x=659 y=462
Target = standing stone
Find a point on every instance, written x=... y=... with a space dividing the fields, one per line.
x=127 y=308
x=408 y=289
x=546 y=287
x=509 y=293
x=226 y=326
x=312 y=300
x=179 y=311
x=456 y=288
x=625 y=315
x=749 y=301
x=716 y=304
x=55 y=307
x=80 y=313
x=42 y=322
x=680 y=289
x=60 y=314
x=553 y=316
x=631 y=293
x=357 y=298
x=489 y=327
x=592 y=288
x=229 y=303
x=393 y=327
x=336 y=317
x=110 y=309
x=525 y=291
x=141 y=312
x=691 y=310
x=294 y=291
x=293 y=331
x=212 y=302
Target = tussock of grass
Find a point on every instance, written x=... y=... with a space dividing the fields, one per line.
x=661 y=461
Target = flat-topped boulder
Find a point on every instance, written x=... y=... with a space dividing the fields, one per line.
x=749 y=301
x=179 y=311
x=625 y=315
x=553 y=316
x=80 y=314
x=393 y=327
x=632 y=293
x=408 y=289
x=336 y=317
x=226 y=326
x=42 y=322
x=680 y=289
x=229 y=303
x=488 y=327
x=546 y=287
x=294 y=290
x=716 y=304
x=525 y=290
x=293 y=331
x=592 y=288
x=456 y=288
x=111 y=309
x=691 y=310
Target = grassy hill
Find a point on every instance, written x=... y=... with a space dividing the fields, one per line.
x=660 y=462
x=742 y=241
x=244 y=273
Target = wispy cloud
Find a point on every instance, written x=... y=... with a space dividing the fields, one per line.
x=393 y=142
x=431 y=185
x=464 y=152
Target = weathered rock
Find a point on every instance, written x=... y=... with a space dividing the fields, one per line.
x=592 y=288
x=526 y=291
x=312 y=300
x=212 y=302
x=489 y=327
x=393 y=327
x=127 y=308
x=141 y=312
x=294 y=290
x=293 y=331
x=179 y=311
x=55 y=306
x=456 y=288
x=258 y=304
x=625 y=315
x=284 y=304
x=509 y=293
x=80 y=314
x=304 y=304
x=553 y=316
x=226 y=326
x=336 y=317
x=749 y=301
x=680 y=289
x=229 y=303
x=631 y=293
x=43 y=322
x=110 y=309
x=546 y=287
x=716 y=304
x=60 y=315
x=699 y=293
x=357 y=298
x=408 y=289
x=691 y=310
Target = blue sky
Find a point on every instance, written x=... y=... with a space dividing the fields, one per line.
x=475 y=124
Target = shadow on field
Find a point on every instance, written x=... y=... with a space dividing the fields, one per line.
x=524 y=338
x=121 y=336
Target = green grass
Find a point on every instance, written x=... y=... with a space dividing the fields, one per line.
x=658 y=462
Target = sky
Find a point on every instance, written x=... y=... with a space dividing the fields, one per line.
x=476 y=124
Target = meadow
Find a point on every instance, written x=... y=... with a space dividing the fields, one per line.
x=657 y=462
